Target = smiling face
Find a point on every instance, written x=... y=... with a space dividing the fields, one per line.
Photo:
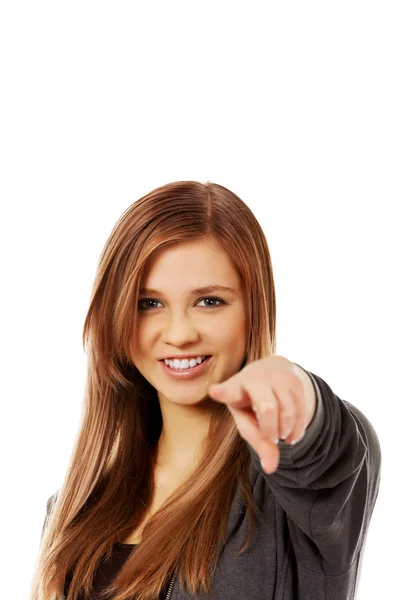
x=174 y=320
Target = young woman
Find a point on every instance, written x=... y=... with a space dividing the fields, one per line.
x=260 y=487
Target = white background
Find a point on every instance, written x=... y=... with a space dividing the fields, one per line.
x=294 y=106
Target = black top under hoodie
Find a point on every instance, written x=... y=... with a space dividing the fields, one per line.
x=316 y=511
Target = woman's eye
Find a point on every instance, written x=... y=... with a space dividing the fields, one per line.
x=144 y=306
x=146 y=300
x=213 y=300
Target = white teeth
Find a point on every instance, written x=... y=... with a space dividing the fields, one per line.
x=185 y=363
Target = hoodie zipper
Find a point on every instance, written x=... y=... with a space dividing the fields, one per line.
x=167 y=597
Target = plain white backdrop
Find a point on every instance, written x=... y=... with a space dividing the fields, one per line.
x=294 y=106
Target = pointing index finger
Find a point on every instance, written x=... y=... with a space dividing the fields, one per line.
x=232 y=394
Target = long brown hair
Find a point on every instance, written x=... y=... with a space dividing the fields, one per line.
x=109 y=482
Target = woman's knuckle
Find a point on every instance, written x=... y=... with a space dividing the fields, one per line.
x=287 y=416
x=266 y=409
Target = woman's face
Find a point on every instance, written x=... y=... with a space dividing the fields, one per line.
x=174 y=320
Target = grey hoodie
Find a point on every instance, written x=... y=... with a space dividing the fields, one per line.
x=316 y=510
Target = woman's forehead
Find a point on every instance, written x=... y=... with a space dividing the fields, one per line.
x=188 y=259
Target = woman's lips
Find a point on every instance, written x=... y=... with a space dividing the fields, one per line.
x=186 y=373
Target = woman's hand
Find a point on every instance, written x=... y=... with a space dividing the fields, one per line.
x=268 y=402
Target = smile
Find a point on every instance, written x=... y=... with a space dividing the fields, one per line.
x=185 y=370
x=185 y=363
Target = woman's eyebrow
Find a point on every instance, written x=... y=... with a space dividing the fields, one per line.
x=202 y=290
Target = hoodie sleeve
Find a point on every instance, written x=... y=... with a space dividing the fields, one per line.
x=328 y=483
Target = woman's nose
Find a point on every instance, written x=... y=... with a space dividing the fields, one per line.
x=179 y=331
